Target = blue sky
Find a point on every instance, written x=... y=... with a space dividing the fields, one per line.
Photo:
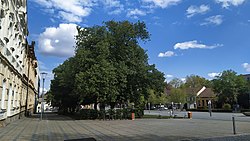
x=202 y=37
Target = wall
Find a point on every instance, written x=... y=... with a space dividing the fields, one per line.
x=18 y=64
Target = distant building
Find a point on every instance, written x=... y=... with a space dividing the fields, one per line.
x=18 y=63
x=43 y=102
x=191 y=97
x=204 y=96
x=197 y=98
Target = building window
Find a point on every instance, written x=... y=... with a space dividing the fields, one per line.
x=3 y=95
x=14 y=96
x=9 y=100
x=12 y=99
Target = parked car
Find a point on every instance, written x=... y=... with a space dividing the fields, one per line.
x=162 y=108
x=152 y=108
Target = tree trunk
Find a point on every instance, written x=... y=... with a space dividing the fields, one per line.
x=95 y=105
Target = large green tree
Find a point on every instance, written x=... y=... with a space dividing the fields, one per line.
x=61 y=89
x=196 y=81
x=228 y=86
x=109 y=67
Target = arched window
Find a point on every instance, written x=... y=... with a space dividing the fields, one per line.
x=3 y=95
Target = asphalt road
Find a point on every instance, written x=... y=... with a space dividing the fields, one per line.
x=203 y=115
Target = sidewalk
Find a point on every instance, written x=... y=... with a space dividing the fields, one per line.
x=59 y=128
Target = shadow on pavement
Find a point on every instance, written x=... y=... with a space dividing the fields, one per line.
x=50 y=116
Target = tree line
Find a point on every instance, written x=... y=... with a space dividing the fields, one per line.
x=229 y=88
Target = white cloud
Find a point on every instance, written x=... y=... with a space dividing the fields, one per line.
x=58 y=41
x=193 y=10
x=215 y=20
x=112 y=3
x=115 y=12
x=135 y=12
x=114 y=6
x=246 y=66
x=213 y=74
x=194 y=44
x=45 y=3
x=67 y=9
x=42 y=66
x=227 y=3
x=169 y=76
x=166 y=54
x=69 y=17
x=183 y=80
x=162 y=3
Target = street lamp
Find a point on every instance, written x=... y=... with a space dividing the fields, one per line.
x=172 y=113
x=43 y=74
x=210 y=107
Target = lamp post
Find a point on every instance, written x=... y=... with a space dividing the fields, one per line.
x=149 y=106
x=172 y=113
x=249 y=99
x=43 y=74
x=210 y=107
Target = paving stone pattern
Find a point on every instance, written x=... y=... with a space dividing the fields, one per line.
x=58 y=128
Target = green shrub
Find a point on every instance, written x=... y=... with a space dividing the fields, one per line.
x=109 y=114
x=88 y=114
x=126 y=113
x=101 y=114
x=119 y=113
x=139 y=112
x=245 y=110
x=226 y=106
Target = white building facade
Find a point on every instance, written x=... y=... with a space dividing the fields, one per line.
x=18 y=64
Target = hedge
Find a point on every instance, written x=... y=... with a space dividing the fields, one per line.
x=109 y=114
x=213 y=110
x=218 y=110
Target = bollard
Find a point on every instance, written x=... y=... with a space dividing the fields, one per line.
x=190 y=115
x=133 y=116
x=234 y=131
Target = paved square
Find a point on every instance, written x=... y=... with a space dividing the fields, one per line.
x=59 y=128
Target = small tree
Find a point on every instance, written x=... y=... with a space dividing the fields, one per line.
x=177 y=96
x=176 y=83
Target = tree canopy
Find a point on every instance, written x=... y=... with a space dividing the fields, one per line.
x=228 y=86
x=109 y=67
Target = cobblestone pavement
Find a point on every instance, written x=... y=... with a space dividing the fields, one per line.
x=59 y=128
